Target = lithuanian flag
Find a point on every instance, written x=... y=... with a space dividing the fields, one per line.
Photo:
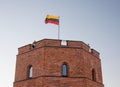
x=52 y=19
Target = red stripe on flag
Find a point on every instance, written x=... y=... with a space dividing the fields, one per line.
x=52 y=21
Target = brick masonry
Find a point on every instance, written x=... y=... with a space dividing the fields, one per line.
x=47 y=57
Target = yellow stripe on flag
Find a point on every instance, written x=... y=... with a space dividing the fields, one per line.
x=53 y=17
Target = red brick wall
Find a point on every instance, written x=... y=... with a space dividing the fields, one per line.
x=47 y=58
x=92 y=62
x=34 y=58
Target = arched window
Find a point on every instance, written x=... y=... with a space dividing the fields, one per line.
x=64 y=70
x=30 y=72
x=93 y=75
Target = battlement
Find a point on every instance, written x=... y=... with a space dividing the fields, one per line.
x=57 y=43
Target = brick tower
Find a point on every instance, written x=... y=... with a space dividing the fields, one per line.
x=57 y=63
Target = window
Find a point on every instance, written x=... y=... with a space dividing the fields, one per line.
x=30 y=71
x=64 y=70
x=93 y=75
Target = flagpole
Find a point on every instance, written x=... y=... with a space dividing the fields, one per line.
x=58 y=32
x=59 y=29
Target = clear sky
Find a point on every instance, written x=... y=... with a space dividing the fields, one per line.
x=95 y=22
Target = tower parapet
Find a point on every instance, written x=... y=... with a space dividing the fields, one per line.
x=58 y=43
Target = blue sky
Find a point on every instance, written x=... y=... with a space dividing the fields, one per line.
x=95 y=22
